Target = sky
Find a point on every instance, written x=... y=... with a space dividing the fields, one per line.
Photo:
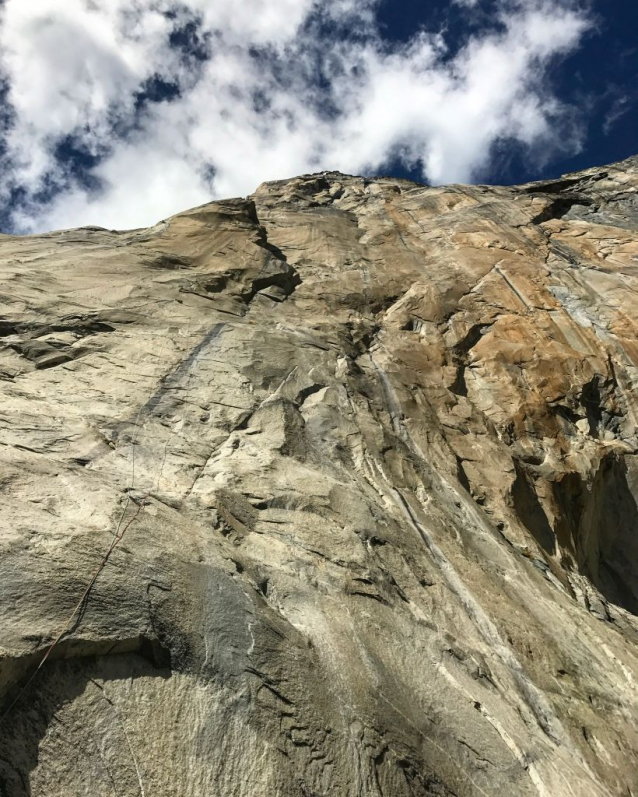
x=119 y=113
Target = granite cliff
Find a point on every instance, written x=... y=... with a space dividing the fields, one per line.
x=331 y=490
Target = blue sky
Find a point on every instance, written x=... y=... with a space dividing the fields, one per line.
x=599 y=78
x=122 y=112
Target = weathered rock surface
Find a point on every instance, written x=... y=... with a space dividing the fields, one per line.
x=371 y=451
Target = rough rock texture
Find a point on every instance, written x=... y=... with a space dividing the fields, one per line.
x=370 y=448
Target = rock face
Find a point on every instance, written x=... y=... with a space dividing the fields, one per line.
x=327 y=491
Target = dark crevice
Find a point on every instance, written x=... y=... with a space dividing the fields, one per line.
x=597 y=522
x=553 y=187
x=471 y=337
x=8 y=328
x=46 y=355
x=169 y=262
x=286 y=280
x=560 y=207
x=262 y=240
x=598 y=400
x=565 y=412
x=558 y=186
x=375 y=596
x=593 y=528
x=280 y=276
x=461 y=475
x=79 y=325
x=459 y=386
x=530 y=511
x=413 y=324
x=305 y=392
x=460 y=355
x=564 y=252
x=218 y=284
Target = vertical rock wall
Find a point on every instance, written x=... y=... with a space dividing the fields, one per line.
x=327 y=491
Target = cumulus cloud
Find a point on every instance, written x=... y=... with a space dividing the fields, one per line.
x=121 y=112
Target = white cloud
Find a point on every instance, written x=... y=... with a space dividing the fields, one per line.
x=254 y=108
x=619 y=107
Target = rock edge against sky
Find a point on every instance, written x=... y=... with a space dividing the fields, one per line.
x=368 y=450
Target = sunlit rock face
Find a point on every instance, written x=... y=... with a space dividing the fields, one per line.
x=364 y=456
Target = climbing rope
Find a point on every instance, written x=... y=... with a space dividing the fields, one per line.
x=119 y=533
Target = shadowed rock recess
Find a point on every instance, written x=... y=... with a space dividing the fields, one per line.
x=371 y=450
